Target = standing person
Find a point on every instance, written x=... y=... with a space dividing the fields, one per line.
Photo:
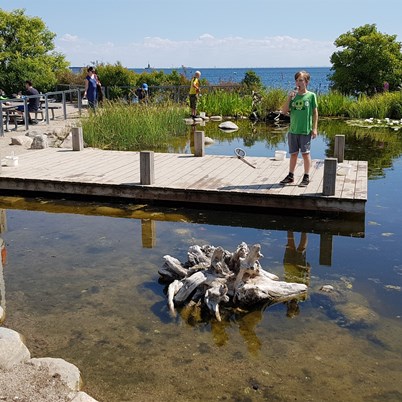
x=194 y=93
x=296 y=268
x=302 y=106
x=91 y=91
x=33 y=103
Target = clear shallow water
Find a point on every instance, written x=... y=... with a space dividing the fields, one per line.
x=81 y=283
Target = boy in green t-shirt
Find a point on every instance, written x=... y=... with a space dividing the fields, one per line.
x=301 y=104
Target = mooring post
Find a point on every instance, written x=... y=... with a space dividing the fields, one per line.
x=77 y=138
x=339 y=147
x=330 y=166
x=199 y=143
x=147 y=172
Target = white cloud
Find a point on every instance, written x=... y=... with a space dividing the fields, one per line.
x=69 y=38
x=204 y=51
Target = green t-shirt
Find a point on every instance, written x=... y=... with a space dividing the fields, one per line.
x=301 y=113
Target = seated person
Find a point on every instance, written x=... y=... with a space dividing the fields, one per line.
x=33 y=103
x=3 y=97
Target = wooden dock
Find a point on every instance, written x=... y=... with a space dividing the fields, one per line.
x=182 y=178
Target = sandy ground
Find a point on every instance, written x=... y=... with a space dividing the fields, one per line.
x=25 y=383
x=57 y=124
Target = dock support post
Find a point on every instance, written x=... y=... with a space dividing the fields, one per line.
x=77 y=138
x=330 y=166
x=148 y=233
x=326 y=249
x=199 y=143
x=339 y=147
x=147 y=172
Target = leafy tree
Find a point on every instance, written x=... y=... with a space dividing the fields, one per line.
x=27 y=53
x=367 y=60
x=114 y=75
x=252 y=81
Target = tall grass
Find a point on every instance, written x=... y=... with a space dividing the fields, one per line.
x=225 y=103
x=334 y=104
x=271 y=101
x=380 y=106
x=134 y=127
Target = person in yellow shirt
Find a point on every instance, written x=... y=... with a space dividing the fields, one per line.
x=194 y=92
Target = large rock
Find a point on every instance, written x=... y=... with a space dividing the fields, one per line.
x=23 y=140
x=2 y=314
x=228 y=126
x=83 y=397
x=67 y=372
x=40 y=141
x=12 y=349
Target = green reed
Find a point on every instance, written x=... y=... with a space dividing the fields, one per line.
x=334 y=104
x=133 y=127
x=225 y=103
x=380 y=106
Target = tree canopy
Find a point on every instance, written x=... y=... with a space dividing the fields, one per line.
x=27 y=53
x=367 y=61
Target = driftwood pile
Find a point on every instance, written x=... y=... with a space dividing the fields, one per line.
x=213 y=277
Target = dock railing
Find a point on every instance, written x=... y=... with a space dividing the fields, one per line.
x=48 y=102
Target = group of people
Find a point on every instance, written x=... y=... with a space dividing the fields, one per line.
x=33 y=100
x=302 y=106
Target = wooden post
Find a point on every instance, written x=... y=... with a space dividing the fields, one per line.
x=199 y=143
x=147 y=173
x=339 y=147
x=326 y=249
x=330 y=166
x=77 y=138
x=3 y=221
x=148 y=233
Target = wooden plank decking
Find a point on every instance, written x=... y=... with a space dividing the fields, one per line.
x=212 y=179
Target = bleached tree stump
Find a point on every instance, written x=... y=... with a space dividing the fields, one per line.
x=212 y=277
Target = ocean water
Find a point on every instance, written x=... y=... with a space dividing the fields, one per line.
x=278 y=77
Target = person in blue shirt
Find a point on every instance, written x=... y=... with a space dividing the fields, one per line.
x=91 y=91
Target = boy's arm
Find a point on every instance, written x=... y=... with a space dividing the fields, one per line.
x=286 y=106
x=314 y=131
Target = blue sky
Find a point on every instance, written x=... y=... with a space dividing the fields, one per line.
x=208 y=33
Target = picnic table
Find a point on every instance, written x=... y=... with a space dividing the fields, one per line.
x=10 y=111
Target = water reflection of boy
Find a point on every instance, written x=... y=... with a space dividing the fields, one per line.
x=296 y=267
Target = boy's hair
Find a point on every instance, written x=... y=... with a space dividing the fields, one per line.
x=28 y=82
x=303 y=74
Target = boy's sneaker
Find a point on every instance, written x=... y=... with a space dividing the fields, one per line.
x=287 y=180
x=305 y=181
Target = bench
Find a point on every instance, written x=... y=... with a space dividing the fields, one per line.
x=41 y=111
x=52 y=108
x=12 y=117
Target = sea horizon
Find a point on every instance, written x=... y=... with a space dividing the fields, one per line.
x=271 y=77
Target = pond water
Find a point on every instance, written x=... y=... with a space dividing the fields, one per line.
x=81 y=283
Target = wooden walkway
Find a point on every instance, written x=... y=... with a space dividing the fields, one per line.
x=182 y=178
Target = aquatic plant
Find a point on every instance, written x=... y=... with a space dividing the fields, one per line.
x=133 y=127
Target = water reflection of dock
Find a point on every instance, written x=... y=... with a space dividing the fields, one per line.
x=353 y=226
x=184 y=179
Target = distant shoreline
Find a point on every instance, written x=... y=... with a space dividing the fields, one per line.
x=271 y=77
